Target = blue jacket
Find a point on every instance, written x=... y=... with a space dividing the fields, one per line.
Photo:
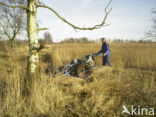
x=105 y=49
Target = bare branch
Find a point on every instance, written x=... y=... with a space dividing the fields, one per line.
x=4 y=28
x=40 y=29
x=9 y=23
x=1 y=35
x=14 y=6
x=103 y=23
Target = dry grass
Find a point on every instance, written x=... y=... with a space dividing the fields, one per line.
x=131 y=81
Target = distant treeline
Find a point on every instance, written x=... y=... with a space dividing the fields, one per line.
x=131 y=41
x=77 y=40
x=86 y=40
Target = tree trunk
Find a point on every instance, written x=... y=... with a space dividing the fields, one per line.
x=13 y=40
x=33 y=60
x=12 y=43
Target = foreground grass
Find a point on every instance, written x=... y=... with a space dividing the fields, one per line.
x=131 y=81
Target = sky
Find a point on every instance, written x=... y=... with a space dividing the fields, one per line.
x=129 y=19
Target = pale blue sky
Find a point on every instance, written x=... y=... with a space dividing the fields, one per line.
x=129 y=19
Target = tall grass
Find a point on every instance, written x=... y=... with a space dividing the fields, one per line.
x=130 y=81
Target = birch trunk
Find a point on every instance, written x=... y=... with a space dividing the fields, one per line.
x=32 y=30
x=33 y=60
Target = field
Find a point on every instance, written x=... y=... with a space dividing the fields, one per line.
x=130 y=81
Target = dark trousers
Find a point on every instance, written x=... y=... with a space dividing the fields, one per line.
x=106 y=60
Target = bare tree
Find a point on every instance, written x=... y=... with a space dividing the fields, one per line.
x=47 y=38
x=33 y=29
x=12 y=21
x=151 y=34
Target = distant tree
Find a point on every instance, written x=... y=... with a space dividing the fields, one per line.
x=12 y=21
x=132 y=41
x=72 y=40
x=84 y=40
x=118 y=40
x=144 y=41
x=141 y=41
x=69 y=40
x=151 y=34
x=48 y=38
x=77 y=40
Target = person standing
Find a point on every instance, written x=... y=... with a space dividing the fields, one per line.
x=105 y=49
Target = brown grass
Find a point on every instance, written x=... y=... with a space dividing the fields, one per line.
x=131 y=81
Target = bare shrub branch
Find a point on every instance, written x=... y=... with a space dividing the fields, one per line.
x=103 y=23
x=14 y=6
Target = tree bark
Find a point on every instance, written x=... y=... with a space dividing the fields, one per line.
x=32 y=36
x=12 y=43
x=33 y=60
x=13 y=39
